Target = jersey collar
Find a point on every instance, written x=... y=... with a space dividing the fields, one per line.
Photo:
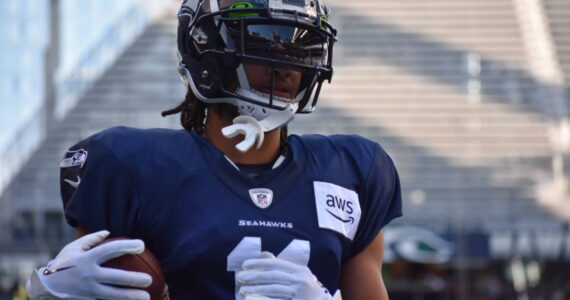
x=280 y=180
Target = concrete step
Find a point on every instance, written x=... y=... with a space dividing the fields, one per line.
x=440 y=118
x=445 y=135
x=387 y=74
x=429 y=106
x=419 y=90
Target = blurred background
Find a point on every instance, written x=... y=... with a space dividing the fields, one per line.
x=471 y=99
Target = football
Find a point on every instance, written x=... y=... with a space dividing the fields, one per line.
x=144 y=262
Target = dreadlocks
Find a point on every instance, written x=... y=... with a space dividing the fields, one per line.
x=193 y=114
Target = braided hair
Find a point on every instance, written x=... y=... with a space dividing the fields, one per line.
x=193 y=114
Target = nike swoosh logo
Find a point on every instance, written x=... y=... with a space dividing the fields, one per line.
x=350 y=219
x=74 y=184
x=51 y=271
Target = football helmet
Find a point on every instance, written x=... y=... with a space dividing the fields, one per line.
x=217 y=37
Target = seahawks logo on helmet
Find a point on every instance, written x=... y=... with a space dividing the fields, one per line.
x=188 y=9
x=74 y=159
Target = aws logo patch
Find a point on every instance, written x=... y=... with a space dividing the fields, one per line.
x=338 y=208
x=342 y=204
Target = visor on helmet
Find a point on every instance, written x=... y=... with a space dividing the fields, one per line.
x=275 y=46
x=290 y=45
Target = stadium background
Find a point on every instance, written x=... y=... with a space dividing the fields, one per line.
x=471 y=98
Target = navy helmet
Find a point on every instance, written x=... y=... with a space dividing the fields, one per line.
x=216 y=37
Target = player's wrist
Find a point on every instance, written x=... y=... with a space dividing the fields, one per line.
x=37 y=289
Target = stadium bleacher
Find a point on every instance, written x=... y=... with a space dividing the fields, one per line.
x=402 y=79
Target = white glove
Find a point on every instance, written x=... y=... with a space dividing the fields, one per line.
x=76 y=273
x=270 y=278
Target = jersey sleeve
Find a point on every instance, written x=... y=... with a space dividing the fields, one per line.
x=382 y=202
x=97 y=191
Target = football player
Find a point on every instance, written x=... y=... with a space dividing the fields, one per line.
x=232 y=206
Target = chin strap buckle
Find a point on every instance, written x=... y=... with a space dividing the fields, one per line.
x=254 y=130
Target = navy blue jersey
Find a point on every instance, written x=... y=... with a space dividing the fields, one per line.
x=202 y=217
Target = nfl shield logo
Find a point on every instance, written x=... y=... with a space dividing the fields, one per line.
x=262 y=198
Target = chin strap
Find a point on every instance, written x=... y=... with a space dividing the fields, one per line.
x=254 y=131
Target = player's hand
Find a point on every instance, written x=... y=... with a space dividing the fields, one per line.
x=269 y=278
x=76 y=272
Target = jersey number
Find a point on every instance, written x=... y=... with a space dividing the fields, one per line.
x=298 y=251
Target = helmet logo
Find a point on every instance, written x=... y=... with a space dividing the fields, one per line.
x=242 y=4
x=74 y=159
x=261 y=197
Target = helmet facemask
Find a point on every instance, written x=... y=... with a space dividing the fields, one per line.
x=222 y=51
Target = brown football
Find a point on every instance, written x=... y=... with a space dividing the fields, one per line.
x=144 y=262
